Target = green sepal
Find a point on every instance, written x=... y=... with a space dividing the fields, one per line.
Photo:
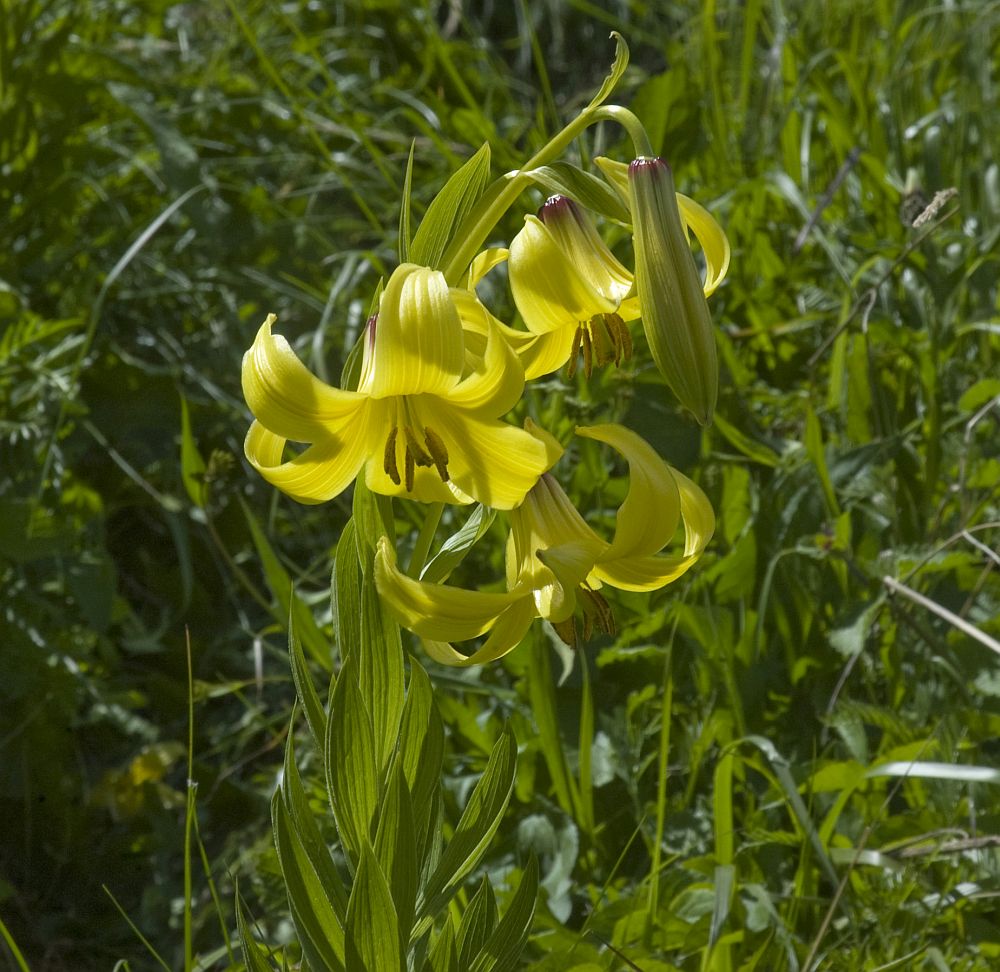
x=591 y=192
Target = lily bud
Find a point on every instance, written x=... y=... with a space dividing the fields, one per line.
x=675 y=314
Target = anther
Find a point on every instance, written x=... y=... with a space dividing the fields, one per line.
x=605 y=346
x=413 y=447
x=438 y=451
x=575 y=353
x=389 y=457
x=410 y=468
x=588 y=352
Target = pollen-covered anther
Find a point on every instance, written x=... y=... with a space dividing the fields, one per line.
x=414 y=448
x=438 y=451
x=596 y=612
x=389 y=456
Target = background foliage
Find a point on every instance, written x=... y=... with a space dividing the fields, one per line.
x=780 y=763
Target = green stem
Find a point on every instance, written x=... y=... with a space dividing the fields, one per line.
x=424 y=539
x=502 y=193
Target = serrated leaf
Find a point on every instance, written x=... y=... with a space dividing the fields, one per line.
x=455 y=548
x=450 y=206
x=351 y=774
x=305 y=690
x=617 y=70
x=478 y=923
x=291 y=605
x=373 y=943
x=254 y=957
x=478 y=824
x=502 y=952
x=566 y=179
x=316 y=922
x=192 y=464
x=396 y=848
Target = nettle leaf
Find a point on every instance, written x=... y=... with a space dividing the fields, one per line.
x=254 y=957
x=192 y=464
x=617 y=70
x=475 y=830
x=351 y=774
x=450 y=206
x=316 y=923
x=566 y=179
x=455 y=548
x=478 y=923
x=396 y=848
x=373 y=941
x=280 y=583
x=502 y=951
x=305 y=690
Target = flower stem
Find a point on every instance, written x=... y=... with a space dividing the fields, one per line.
x=424 y=539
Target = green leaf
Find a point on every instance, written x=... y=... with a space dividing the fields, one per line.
x=617 y=70
x=351 y=771
x=543 y=708
x=815 y=451
x=478 y=923
x=192 y=464
x=345 y=591
x=396 y=848
x=254 y=957
x=566 y=179
x=455 y=548
x=304 y=825
x=443 y=955
x=478 y=824
x=403 y=246
x=305 y=690
x=502 y=952
x=316 y=922
x=373 y=943
x=291 y=605
x=449 y=208
x=753 y=450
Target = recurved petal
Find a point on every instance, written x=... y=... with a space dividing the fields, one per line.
x=485 y=262
x=713 y=240
x=435 y=611
x=493 y=463
x=319 y=473
x=697 y=513
x=286 y=397
x=541 y=354
x=550 y=292
x=418 y=336
x=507 y=634
x=647 y=519
x=570 y=563
x=643 y=573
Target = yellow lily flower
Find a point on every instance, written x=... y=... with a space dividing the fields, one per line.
x=424 y=421
x=556 y=562
x=571 y=291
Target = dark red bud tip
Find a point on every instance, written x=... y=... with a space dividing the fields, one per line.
x=652 y=166
x=556 y=206
x=370 y=329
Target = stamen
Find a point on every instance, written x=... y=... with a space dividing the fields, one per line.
x=438 y=451
x=596 y=608
x=566 y=631
x=624 y=335
x=574 y=354
x=413 y=447
x=389 y=457
x=410 y=468
x=605 y=346
x=588 y=353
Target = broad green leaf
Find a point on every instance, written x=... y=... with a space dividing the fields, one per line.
x=443 y=956
x=352 y=775
x=502 y=952
x=372 y=943
x=291 y=605
x=306 y=828
x=345 y=591
x=566 y=179
x=192 y=464
x=421 y=751
x=455 y=548
x=396 y=848
x=478 y=923
x=316 y=922
x=305 y=690
x=478 y=824
x=617 y=70
x=449 y=208
x=254 y=957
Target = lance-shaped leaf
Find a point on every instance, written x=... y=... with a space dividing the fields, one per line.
x=478 y=923
x=443 y=956
x=396 y=848
x=345 y=591
x=502 y=952
x=305 y=690
x=373 y=943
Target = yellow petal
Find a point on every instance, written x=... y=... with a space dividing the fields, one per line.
x=286 y=397
x=643 y=573
x=507 y=634
x=494 y=463
x=541 y=354
x=317 y=474
x=713 y=241
x=549 y=291
x=484 y=263
x=418 y=343
x=435 y=611
x=697 y=514
x=570 y=563
x=647 y=520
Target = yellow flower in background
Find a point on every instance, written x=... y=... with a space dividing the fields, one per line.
x=424 y=421
x=569 y=288
x=555 y=562
x=672 y=297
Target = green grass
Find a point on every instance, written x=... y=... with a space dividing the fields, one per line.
x=784 y=762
